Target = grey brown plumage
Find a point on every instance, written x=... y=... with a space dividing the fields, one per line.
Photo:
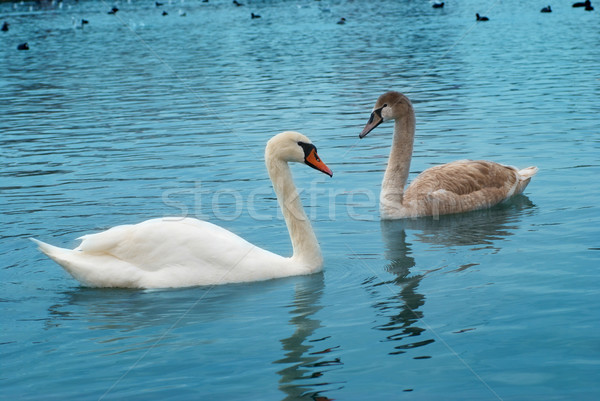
x=455 y=187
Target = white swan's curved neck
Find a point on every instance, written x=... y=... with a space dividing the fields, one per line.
x=396 y=173
x=304 y=242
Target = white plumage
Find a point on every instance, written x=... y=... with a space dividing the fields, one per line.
x=180 y=252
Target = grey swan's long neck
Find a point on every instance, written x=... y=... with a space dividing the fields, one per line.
x=304 y=241
x=398 y=168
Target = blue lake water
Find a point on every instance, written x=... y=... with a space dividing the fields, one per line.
x=139 y=115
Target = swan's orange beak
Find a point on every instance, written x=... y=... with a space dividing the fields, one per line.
x=315 y=162
x=373 y=122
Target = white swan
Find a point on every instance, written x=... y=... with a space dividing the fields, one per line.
x=181 y=252
x=455 y=187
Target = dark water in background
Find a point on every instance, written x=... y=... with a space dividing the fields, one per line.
x=139 y=115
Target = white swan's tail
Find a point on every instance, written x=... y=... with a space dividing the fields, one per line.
x=64 y=257
x=524 y=178
x=94 y=270
x=61 y=256
x=53 y=252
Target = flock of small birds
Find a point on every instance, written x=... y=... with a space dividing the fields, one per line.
x=113 y=11
x=586 y=5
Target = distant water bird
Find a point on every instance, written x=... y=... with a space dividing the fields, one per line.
x=237 y=4
x=438 y=5
x=159 y=4
x=5 y=27
x=253 y=16
x=589 y=8
x=342 y=21
x=480 y=18
x=546 y=10
x=182 y=13
x=80 y=24
x=113 y=11
x=586 y=3
x=165 y=13
x=23 y=46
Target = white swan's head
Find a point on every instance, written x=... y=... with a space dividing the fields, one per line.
x=390 y=106
x=292 y=146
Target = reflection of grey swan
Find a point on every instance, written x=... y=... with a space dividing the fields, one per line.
x=455 y=187
x=399 y=299
x=186 y=252
x=476 y=228
x=404 y=309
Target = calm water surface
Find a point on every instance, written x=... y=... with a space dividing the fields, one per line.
x=139 y=115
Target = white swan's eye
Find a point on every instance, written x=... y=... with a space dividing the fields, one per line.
x=307 y=148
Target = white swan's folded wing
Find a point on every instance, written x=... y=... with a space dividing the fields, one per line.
x=158 y=243
x=165 y=253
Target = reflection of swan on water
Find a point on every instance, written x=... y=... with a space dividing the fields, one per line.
x=398 y=298
x=201 y=330
x=456 y=187
x=184 y=252
x=307 y=360
x=124 y=310
x=126 y=321
x=479 y=227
